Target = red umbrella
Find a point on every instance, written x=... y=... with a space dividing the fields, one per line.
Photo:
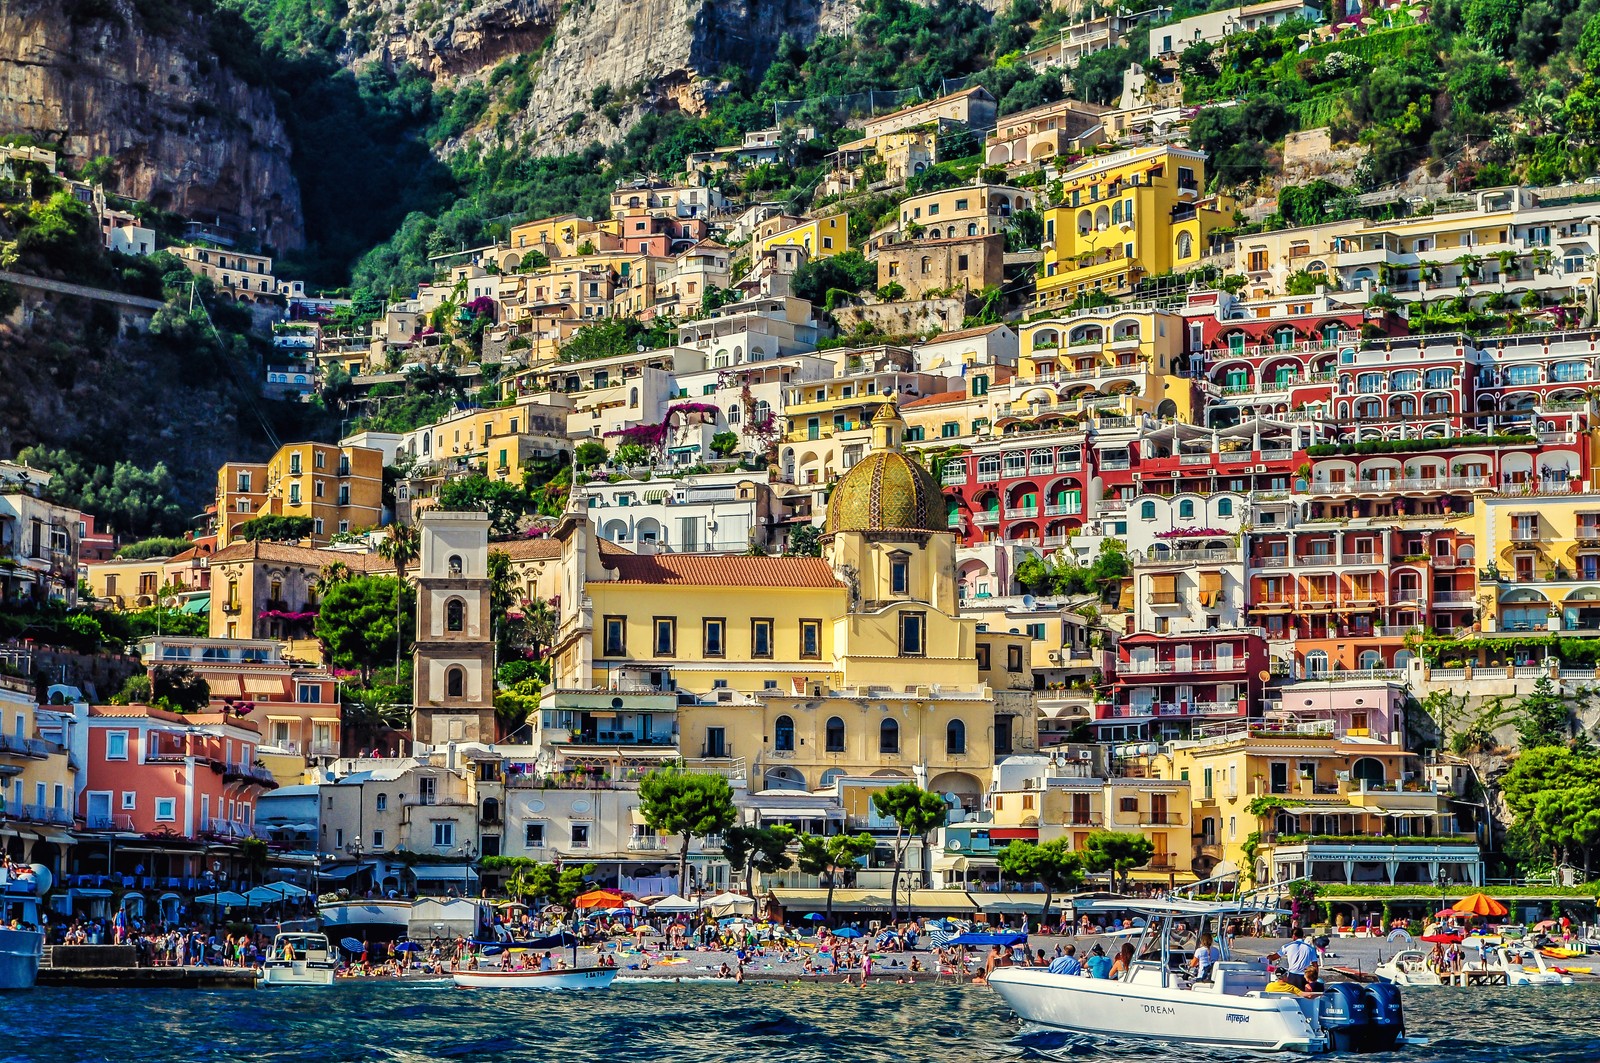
x=1441 y=939
x=1448 y=913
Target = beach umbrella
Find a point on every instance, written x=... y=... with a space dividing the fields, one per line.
x=1448 y=913
x=1441 y=939
x=225 y=899
x=847 y=932
x=813 y=917
x=1546 y=924
x=352 y=946
x=408 y=946
x=1479 y=904
x=645 y=930
x=600 y=899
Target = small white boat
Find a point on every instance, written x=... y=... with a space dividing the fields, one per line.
x=300 y=959
x=1523 y=967
x=1154 y=1000
x=558 y=978
x=572 y=977
x=1407 y=967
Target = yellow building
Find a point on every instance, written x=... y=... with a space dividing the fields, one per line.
x=1297 y=800
x=800 y=669
x=270 y=590
x=966 y=210
x=1539 y=562
x=338 y=488
x=1106 y=357
x=821 y=237
x=123 y=584
x=1122 y=217
x=37 y=792
x=557 y=237
x=1073 y=808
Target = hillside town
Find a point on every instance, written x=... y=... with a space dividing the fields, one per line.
x=1219 y=547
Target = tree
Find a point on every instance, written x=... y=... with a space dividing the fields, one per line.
x=130 y=499
x=848 y=271
x=1052 y=865
x=272 y=528
x=825 y=857
x=752 y=849
x=915 y=812
x=362 y=625
x=1554 y=792
x=401 y=547
x=176 y=688
x=723 y=444
x=630 y=455
x=504 y=501
x=145 y=549
x=805 y=541
x=1117 y=852
x=1543 y=717
x=689 y=804
x=590 y=454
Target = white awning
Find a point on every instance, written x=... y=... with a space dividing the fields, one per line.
x=944 y=862
x=443 y=873
x=803 y=813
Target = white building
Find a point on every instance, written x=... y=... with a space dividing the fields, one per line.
x=1215 y=26
x=707 y=513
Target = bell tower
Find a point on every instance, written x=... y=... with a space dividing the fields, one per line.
x=453 y=664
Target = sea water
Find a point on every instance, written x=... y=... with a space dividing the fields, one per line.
x=700 y=1021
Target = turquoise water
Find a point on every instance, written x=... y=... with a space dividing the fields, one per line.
x=704 y=1022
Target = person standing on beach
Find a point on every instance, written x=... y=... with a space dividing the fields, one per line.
x=866 y=968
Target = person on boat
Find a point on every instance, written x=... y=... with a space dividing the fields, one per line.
x=1205 y=958
x=1124 y=960
x=546 y=962
x=1067 y=962
x=1294 y=958
x=1280 y=985
x=1314 y=978
x=1098 y=964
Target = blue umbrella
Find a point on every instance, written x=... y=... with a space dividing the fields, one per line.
x=847 y=932
x=814 y=917
x=352 y=945
x=408 y=946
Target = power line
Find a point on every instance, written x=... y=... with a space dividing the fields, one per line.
x=249 y=394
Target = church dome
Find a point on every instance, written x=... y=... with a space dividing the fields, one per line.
x=886 y=491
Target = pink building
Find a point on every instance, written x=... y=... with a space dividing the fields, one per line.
x=173 y=794
x=1354 y=709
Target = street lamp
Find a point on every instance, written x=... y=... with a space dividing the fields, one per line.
x=354 y=849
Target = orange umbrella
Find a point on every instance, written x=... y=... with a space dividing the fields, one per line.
x=1479 y=904
x=601 y=899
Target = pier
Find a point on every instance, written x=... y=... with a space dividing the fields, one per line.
x=117 y=967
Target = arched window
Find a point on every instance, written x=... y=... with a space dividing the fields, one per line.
x=833 y=741
x=889 y=737
x=491 y=810
x=783 y=734
x=1147 y=511
x=733 y=414
x=955 y=738
x=927 y=264
x=455 y=683
x=1186 y=510
x=276 y=591
x=1185 y=245
x=972 y=228
x=1316 y=663
x=1368 y=770
x=455 y=614
x=1224 y=507
x=455 y=565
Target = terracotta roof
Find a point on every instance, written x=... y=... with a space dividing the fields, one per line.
x=717 y=570
x=940 y=399
x=545 y=549
x=981 y=330
x=301 y=555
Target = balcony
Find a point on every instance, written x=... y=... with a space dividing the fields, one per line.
x=1093 y=819
x=953 y=475
x=1183 y=667
x=59 y=817
x=1164 y=598
x=33 y=748
x=108 y=823
x=986 y=517
x=1161 y=819
x=1021 y=512
x=1454 y=598
x=647 y=844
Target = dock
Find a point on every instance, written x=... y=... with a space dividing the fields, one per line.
x=117 y=967
x=1473 y=978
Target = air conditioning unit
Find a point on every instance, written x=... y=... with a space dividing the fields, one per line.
x=1261 y=468
x=1055 y=656
x=1085 y=754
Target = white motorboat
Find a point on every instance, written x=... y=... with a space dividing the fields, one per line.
x=1156 y=1001
x=1408 y=967
x=1522 y=966
x=21 y=949
x=558 y=978
x=300 y=959
x=572 y=977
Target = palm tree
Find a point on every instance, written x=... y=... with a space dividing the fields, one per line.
x=334 y=572
x=402 y=546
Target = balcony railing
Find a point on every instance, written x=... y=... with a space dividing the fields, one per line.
x=35 y=748
x=61 y=817
x=646 y=844
x=1197 y=664
x=108 y=823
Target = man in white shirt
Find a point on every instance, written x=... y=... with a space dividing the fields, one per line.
x=1294 y=958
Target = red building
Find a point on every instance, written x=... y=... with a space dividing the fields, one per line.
x=1165 y=683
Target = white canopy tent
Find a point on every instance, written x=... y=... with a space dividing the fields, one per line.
x=674 y=903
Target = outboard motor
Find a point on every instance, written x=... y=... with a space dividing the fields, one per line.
x=1345 y=1016
x=1387 y=1016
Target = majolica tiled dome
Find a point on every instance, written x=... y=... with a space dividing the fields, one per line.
x=886 y=491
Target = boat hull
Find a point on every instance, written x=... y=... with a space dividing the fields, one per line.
x=20 y=951
x=298 y=972
x=578 y=978
x=1117 y=1009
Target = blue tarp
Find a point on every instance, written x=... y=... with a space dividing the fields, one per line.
x=977 y=938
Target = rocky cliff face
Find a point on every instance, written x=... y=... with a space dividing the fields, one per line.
x=186 y=134
x=653 y=54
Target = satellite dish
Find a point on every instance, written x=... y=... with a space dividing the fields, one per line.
x=1028 y=601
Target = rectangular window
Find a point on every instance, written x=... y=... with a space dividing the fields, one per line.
x=117 y=745
x=810 y=639
x=983 y=656
x=317 y=459
x=533 y=835
x=316 y=489
x=761 y=638
x=1128 y=804
x=911 y=634
x=130 y=800
x=961 y=262
x=166 y=809
x=900 y=577
x=444 y=833
x=308 y=694
x=383 y=803
x=616 y=641
x=580 y=835
x=377 y=840
x=1013 y=658
x=713 y=638
x=666 y=636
